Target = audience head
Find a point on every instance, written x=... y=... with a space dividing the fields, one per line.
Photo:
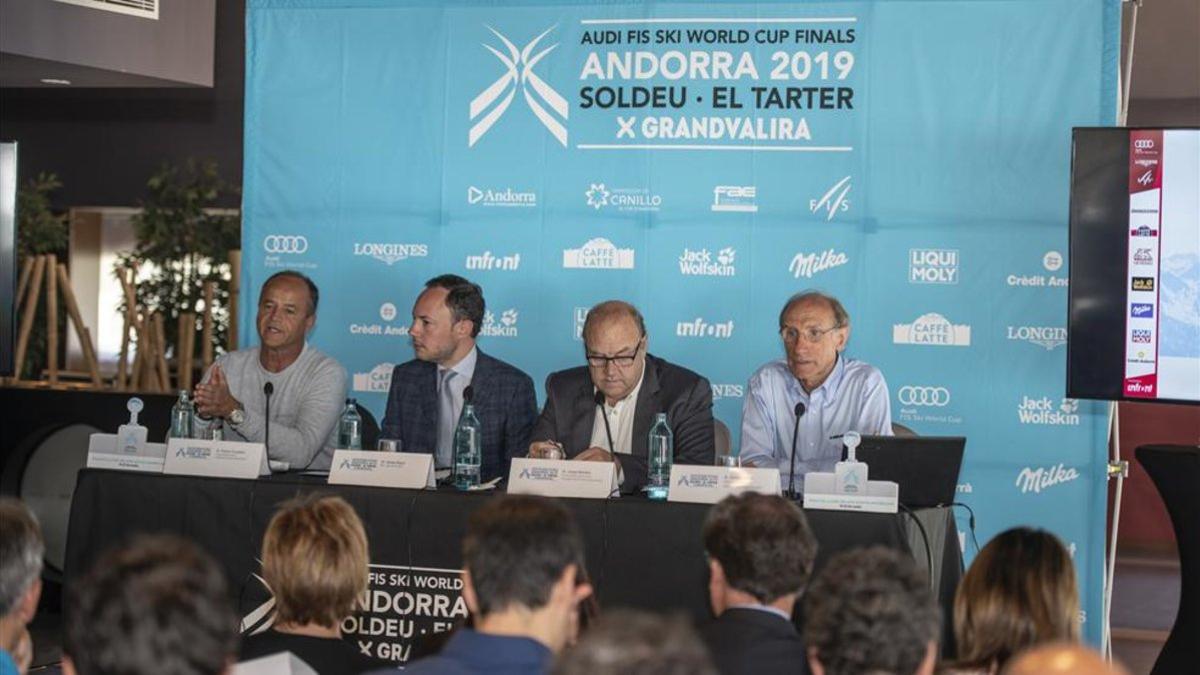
x=871 y=611
x=158 y=606
x=628 y=642
x=615 y=344
x=1061 y=658
x=446 y=318
x=758 y=546
x=287 y=310
x=524 y=560
x=1020 y=591
x=21 y=551
x=314 y=559
x=814 y=328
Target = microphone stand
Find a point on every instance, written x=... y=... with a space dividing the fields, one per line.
x=799 y=410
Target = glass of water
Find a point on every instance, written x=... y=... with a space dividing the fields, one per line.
x=388 y=445
x=729 y=461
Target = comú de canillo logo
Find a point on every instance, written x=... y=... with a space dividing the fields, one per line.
x=490 y=105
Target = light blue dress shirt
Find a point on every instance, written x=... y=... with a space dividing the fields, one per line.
x=853 y=398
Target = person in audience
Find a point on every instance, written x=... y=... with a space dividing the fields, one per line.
x=1020 y=591
x=309 y=387
x=1061 y=658
x=633 y=386
x=522 y=584
x=839 y=394
x=157 y=606
x=314 y=560
x=871 y=611
x=427 y=393
x=760 y=555
x=21 y=551
x=629 y=642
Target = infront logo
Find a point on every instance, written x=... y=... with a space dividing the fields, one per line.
x=487 y=262
x=926 y=396
x=701 y=328
x=282 y=243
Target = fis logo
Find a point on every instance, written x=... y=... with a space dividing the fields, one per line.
x=1146 y=178
x=834 y=200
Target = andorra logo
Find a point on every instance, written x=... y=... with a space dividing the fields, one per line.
x=518 y=65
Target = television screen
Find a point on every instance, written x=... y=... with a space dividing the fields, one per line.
x=1134 y=308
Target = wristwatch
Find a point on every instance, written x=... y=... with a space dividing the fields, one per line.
x=237 y=416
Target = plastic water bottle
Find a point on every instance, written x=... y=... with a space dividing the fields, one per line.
x=350 y=427
x=468 y=449
x=181 y=416
x=661 y=450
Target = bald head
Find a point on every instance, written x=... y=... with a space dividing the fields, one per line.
x=1061 y=658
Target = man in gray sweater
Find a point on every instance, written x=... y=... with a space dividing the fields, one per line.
x=309 y=387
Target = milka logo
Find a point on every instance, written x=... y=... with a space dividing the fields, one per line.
x=701 y=328
x=807 y=264
x=1043 y=411
x=358 y=464
x=1048 y=337
x=693 y=262
x=191 y=452
x=834 y=200
x=518 y=73
x=1035 y=480
x=505 y=327
x=391 y=253
x=486 y=261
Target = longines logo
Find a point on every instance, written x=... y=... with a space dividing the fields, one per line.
x=807 y=264
x=834 y=201
x=518 y=74
x=391 y=253
x=378 y=379
x=721 y=391
x=1047 y=337
x=1036 y=480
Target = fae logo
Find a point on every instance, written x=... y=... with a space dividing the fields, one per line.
x=391 y=253
x=834 y=200
x=720 y=391
x=932 y=266
x=1036 y=480
x=378 y=379
x=1042 y=411
x=1141 y=335
x=505 y=197
x=518 y=74
x=923 y=396
x=488 y=262
x=736 y=198
x=598 y=253
x=932 y=329
x=807 y=264
x=702 y=263
x=622 y=199
x=1141 y=310
x=1048 y=337
x=505 y=327
x=700 y=328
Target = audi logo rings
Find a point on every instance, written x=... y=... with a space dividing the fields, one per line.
x=280 y=243
x=1143 y=143
x=934 y=396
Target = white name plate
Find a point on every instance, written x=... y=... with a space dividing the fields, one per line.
x=820 y=492
x=103 y=454
x=699 y=484
x=219 y=459
x=409 y=470
x=562 y=478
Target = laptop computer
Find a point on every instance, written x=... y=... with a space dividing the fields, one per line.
x=925 y=467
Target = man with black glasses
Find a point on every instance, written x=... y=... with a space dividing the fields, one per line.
x=635 y=386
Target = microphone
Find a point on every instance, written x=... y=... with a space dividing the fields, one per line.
x=268 y=389
x=795 y=433
x=612 y=449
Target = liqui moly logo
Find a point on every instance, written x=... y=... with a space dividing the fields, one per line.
x=1036 y=480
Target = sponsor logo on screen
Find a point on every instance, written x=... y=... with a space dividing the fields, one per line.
x=722 y=391
x=1144 y=231
x=834 y=201
x=1143 y=144
x=932 y=266
x=699 y=328
x=580 y=316
x=506 y=197
x=1139 y=387
x=391 y=253
x=1141 y=310
x=737 y=198
x=1143 y=256
x=598 y=253
x=1048 y=337
x=378 y=379
x=923 y=396
x=932 y=329
x=1141 y=335
x=1143 y=284
x=703 y=263
x=1146 y=178
x=599 y=196
x=1043 y=411
x=546 y=104
x=808 y=264
x=1036 y=479
x=505 y=326
x=487 y=262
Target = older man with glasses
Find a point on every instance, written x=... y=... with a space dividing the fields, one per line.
x=631 y=386
x=833 y=394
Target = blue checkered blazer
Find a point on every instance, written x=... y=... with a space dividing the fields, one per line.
x=504 y=402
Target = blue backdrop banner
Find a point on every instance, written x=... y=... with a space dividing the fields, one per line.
x=705 y=161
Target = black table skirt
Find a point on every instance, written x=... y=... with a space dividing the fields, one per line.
x=640 y=553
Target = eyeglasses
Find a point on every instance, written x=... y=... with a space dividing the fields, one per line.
x=623 y=361
x=811 y=335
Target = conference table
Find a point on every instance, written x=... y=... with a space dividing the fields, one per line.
x=640 y=553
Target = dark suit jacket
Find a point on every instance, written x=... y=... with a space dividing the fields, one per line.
x=750 y=641
x=686 y=397
x=504 y=403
